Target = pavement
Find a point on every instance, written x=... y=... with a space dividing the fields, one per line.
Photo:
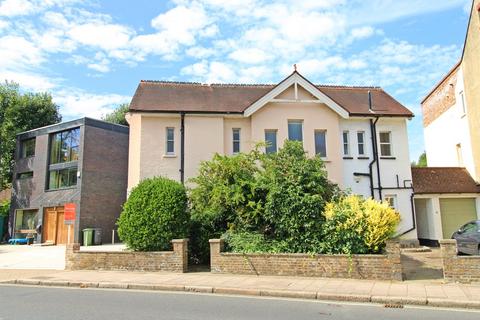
x=383 y=292
x=42 y=303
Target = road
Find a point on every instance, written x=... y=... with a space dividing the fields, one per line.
x=19 y=302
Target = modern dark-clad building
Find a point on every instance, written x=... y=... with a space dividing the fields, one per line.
x=71 y=175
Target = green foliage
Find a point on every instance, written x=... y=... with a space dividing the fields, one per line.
x=118 y=115
x=154 y=214
x=422 y=161
x=20 y=112
x=297 y=189
x=278 y=197
x=4 y=208
x=357 y=225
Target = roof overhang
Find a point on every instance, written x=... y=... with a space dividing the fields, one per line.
x=296 y=79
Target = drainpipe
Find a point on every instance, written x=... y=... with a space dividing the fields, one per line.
x=182 y=147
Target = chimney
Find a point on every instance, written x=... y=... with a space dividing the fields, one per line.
x=370 y=105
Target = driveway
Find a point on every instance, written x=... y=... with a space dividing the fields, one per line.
x=32 y=257
x=422 y=265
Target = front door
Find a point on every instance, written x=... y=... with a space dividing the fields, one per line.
x=54 y=229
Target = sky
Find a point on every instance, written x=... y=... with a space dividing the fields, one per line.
x=91 y=54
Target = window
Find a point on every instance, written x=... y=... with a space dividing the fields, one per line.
x=63 y=166
x=361 y=143
x=25 y=222
x=385 y=144
x=462 y=101
x=392 y=200
x=63 y=178
x=25 y=175
x=469 y=228
x=170 y=141
x=64 y=146
x=295 y=130
x=320 y=143
x=27 y=148
x=346 y=143
x=271 y=140
x=236 y=140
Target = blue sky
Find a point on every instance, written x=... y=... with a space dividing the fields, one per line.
x=91 y=54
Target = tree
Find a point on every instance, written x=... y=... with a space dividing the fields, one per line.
x=117 y=115
x=20 y=111
x=422 y=161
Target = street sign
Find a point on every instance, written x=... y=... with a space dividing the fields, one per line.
x=69 y=213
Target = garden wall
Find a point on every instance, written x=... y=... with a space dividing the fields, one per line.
x=175 y=261
x=456 y=268
x=373 y=266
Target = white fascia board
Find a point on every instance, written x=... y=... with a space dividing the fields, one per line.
x=295 y=78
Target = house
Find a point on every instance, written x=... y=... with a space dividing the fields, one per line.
x=176 y=125
x=68 y=177
x=451 y=120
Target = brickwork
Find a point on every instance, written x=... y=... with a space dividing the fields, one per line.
x=464 y=269
x=441 y=99
x=174 y=261
x=5 y=194
x=384 y=267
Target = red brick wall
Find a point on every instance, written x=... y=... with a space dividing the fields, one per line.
x=175 y=261
x=385 y=267
x=456 y=268
x=5 y=194
x=441 y=99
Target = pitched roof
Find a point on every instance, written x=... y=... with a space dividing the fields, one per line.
x=431 y=180
x=165 y=96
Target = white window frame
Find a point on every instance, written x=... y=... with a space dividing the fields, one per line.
x=324 y=131
x=301 y=124
x=393 y=203
x=346 y=144
x=462 y=101
x=234 y=141
x=364 y=145
x=390 y=143
x=169 y=153
x=275 y=131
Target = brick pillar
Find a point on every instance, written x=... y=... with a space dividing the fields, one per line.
x=448 y=249
x=216 y=247
x=70 y=253
x=180 y=248
x=392 y=249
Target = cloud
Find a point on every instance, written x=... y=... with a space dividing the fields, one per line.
x=101 y=35
x=29 y=81
x=11 y=8
x=250 y=55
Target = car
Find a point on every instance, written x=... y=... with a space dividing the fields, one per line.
x=468 y=238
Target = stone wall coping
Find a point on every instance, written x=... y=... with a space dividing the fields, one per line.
x=447 y=241
x=215 y=240
x=179 y=240
x=125 y=252
x=301 y=255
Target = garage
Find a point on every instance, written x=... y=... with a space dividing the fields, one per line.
x=455 y=213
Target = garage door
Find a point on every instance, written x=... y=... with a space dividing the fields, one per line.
x=455 y=213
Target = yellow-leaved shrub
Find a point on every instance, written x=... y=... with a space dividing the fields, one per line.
x=357 y=225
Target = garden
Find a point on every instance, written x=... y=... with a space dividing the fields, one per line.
x=256 y=203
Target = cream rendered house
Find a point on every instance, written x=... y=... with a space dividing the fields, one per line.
x=451 y=120
x=176 y=125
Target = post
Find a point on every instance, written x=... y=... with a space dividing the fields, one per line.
x=216 y=247
x=392 y=249
x=180 y=249
x=68 y=234
x=113 y=236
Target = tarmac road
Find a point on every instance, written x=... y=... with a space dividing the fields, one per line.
x=40 y=303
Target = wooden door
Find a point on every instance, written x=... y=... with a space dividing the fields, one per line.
x=54 y=225
x=49 y=225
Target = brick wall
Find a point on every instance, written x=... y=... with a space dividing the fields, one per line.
x=5 y=194
x=385 y=267
x=456 y=268
x=174 y=261
x=441 y=99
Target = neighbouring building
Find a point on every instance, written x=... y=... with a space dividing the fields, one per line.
x=176 y=125
x=451 y=120
x=71 y=175
x=445 y=199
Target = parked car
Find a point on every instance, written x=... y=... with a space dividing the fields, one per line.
x=468 y=238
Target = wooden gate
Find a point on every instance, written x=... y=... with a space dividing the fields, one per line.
x=54 y=229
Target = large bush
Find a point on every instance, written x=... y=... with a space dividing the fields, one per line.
x=357 y=225
x=278 y=198
x=154 y=214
